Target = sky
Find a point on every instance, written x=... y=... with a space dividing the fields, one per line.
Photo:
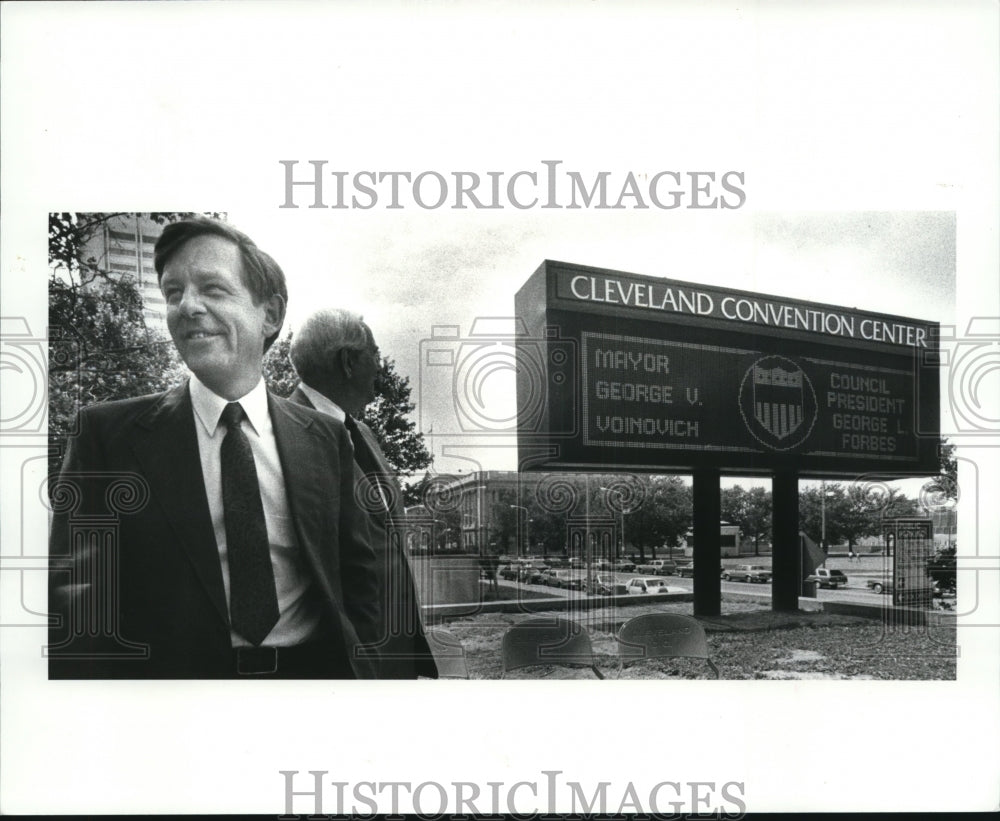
x=409 y=272
x=867 y=135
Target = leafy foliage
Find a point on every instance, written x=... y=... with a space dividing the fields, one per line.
x=663 y=517
x=388 y=417
x=750 y=510
x=100 y=348
x=279 y=375
x=945 y=484
x=397 y=435
x=942 y=568
x=851 y=512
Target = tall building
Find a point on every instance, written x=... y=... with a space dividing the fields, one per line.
x=123 y=245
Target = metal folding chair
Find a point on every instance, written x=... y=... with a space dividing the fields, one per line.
x=662 y=635
x=546 y=641
x=448 y=653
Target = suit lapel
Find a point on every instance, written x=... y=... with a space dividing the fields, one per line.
x=307 y=487
x=390 y=487
x=298 y=396
x=166 y=445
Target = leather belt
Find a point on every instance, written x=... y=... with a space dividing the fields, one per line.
x=298 y=659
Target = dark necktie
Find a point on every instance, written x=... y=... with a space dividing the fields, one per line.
x=366 y=459
x=253 y=604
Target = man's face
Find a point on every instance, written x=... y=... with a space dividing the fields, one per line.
x=218 y=330
x=366 y=365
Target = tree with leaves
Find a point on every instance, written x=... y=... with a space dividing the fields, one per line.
x=100 y=347
x=663 y=516
x=503 y=517
x=750 y=510
x=945 y=484
x=851 y=512
x=819 y=504
x=279 y=375
x=387 y=416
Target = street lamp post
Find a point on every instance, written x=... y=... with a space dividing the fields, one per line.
x=527 y=540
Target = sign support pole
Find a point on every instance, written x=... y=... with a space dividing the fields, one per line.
x=707 y=498
x=786 y=582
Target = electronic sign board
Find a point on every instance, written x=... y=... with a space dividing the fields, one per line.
x=623 y=371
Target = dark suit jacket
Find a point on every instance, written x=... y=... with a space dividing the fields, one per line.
x=136 y=580
x=402 y=649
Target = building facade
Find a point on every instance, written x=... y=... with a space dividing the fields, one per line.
x=123 y=246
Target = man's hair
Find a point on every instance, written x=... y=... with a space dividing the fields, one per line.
x=262 y=276
x=322 y=335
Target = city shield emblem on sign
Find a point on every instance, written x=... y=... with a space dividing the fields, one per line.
x=777 y=399
x=778 y=402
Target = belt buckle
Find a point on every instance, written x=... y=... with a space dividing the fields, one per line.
x=246 y=654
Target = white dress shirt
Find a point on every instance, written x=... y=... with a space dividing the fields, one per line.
x=322 y=403
x=299 y=612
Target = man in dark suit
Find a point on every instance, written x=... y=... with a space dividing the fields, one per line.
x=211 y=531
x=336 y=358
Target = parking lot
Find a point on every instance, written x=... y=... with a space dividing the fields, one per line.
x=574 y=580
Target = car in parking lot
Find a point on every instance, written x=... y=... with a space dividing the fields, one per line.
x=647 y=584
x=535 y=575
x=566 y=579
x=624 y=565
x=883 y=585
x=687 y=570
x=529 y=568
x=886 y=585
x=824 y=577
x=659 y=567
x=747 y=573
x=604 y=584
x=510 y=572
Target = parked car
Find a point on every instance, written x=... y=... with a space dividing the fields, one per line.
x=537 y=575
x=510 y=572
x=601 y=564
x=567 y=579
x=624 y=565
x=603 y=584
x=647 y=585
x=880 y=585
x=530 y=568
x=885 y=585
x=687 y=570
x=660 y=567
x=828 y=578
x=747 y=573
